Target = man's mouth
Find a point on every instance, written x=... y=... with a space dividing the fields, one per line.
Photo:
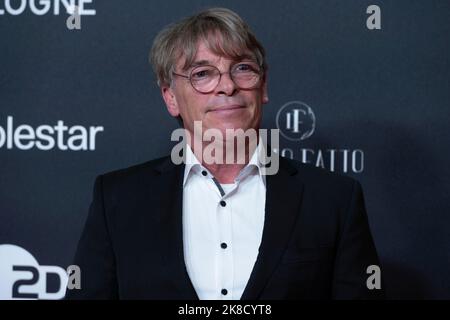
x=227 y=108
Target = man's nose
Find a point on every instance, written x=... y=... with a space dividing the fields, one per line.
x=226 y=85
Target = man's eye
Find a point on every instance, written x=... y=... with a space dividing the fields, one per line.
x=201 y=74
x=245 y=67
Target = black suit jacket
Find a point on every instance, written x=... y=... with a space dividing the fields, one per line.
x=316 y=240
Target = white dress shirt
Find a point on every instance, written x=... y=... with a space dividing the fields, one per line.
x=222 y=227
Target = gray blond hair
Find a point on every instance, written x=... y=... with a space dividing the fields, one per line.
x=223 y=31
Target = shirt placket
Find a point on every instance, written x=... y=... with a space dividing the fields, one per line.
x=224 y=245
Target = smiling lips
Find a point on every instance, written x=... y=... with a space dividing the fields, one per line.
x=227 y=108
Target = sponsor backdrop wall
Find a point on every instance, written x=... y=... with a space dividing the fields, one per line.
x=357 y=89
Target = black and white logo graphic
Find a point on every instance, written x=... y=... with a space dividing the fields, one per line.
x=42 y=7
x=21 y=276
x=296 y=121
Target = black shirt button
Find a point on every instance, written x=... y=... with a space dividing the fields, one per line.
x=224 y=292
x=204 y=173
x=223 y=203
x=223 y=245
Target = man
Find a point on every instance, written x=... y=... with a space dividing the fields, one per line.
x=215 y=229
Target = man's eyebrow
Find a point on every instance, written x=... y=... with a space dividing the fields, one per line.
x=209 y=63
x=246 y=57
x=200 y=63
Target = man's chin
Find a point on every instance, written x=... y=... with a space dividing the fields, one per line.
x=230 y=126
x=223 y=128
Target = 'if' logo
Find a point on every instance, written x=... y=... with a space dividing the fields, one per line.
x=296 y=121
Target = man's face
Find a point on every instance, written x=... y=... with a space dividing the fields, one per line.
x=226 y=107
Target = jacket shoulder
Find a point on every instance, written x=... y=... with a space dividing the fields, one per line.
x=134 y=174
x=313 y=176
x=151 y=165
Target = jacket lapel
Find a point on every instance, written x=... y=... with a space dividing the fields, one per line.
x=171 y=191
x=283 y=198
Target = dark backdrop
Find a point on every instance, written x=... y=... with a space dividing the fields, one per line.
x=378 y=103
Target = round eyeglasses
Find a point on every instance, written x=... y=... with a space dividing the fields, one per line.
x=205 y=79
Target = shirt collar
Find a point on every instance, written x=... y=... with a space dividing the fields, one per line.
x=192 y=165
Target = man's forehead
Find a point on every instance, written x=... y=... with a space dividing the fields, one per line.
x=204 y=55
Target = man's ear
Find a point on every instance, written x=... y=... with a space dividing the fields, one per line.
x=170 y=100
